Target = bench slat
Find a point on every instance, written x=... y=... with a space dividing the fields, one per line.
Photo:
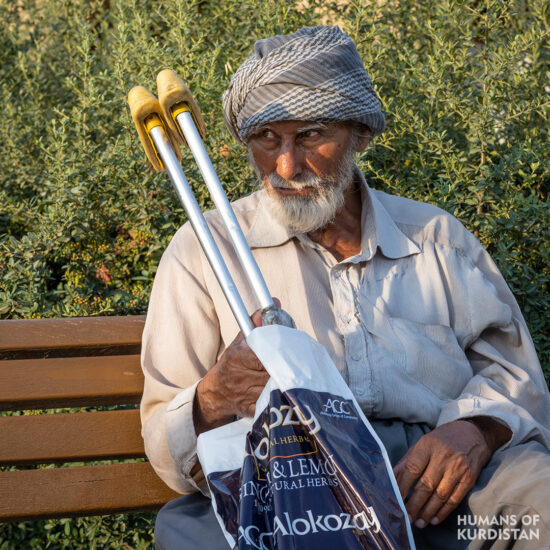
x=57 y=438
x=81 y=491
x=70 y=382
x=31 y=337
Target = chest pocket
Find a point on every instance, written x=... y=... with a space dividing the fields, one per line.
x=433 y=356
x=418 y=353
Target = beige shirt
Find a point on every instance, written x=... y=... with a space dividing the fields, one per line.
x=420 y=324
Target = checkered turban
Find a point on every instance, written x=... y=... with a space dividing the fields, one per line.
x=314 y=74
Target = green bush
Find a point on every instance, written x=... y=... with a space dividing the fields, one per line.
x=117 y=532
x=84 y=219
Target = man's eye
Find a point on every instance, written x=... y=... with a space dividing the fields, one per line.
x=266 y=134
x=308 y=134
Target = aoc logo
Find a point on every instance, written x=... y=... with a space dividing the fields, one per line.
x=337 y=406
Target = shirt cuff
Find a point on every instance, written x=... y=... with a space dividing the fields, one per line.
x=470 y=407
x=181 y=436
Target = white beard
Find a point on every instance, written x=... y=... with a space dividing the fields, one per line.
x=303 y=214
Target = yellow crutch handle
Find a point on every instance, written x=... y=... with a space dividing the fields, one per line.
x=147 y=113
x=175 y=97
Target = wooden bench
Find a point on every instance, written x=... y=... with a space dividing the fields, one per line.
x=66 y=363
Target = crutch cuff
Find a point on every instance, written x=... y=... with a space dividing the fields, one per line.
x=147 y=113
x=173 y=93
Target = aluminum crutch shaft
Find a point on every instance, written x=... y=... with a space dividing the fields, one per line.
x=194 y=213
x=183 y=116
x=250 y=267
x=271 y=314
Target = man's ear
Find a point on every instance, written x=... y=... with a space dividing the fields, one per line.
x=364 y=137
x=363 y=142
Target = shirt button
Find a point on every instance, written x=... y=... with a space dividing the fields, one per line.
x=359 y=391
x=356 y=357
x=346 y=318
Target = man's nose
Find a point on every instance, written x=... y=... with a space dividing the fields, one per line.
x=289 y=162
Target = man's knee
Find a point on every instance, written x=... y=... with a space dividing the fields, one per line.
x=510 y=499
x=188 y=523
x=519 y=474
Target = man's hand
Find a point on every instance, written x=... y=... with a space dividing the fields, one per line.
x=444 y=465
x=231 y=387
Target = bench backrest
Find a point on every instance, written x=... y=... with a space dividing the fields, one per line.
x=73 y=363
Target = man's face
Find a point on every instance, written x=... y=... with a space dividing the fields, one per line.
x=305 y=168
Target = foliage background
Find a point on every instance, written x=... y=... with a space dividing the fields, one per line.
x=84 y=220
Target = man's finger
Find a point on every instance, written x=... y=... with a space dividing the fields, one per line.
x=254 y=364
x=254 y=389
x=461 y=490
x=410 y=468
x=439 y=497
x=248 y=399
x=424 y=489
x=251 y=409
x=256 y=317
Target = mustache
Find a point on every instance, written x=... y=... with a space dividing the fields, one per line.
x=306 y=179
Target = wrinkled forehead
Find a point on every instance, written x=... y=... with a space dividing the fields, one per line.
x=295 y=125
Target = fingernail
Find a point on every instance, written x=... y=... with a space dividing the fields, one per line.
x=435 y=520
x=420 y=523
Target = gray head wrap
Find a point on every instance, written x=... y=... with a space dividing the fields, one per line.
x=314 y=74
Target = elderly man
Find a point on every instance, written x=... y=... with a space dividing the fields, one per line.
x=411 y=309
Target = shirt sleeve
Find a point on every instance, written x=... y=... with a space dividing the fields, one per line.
x=507 y=383
x=180 y=342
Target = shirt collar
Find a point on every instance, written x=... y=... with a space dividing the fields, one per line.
x=378 y=228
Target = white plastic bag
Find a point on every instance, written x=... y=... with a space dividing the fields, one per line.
x=308 y=472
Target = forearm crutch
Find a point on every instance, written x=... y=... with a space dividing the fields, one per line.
x=158 y=132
